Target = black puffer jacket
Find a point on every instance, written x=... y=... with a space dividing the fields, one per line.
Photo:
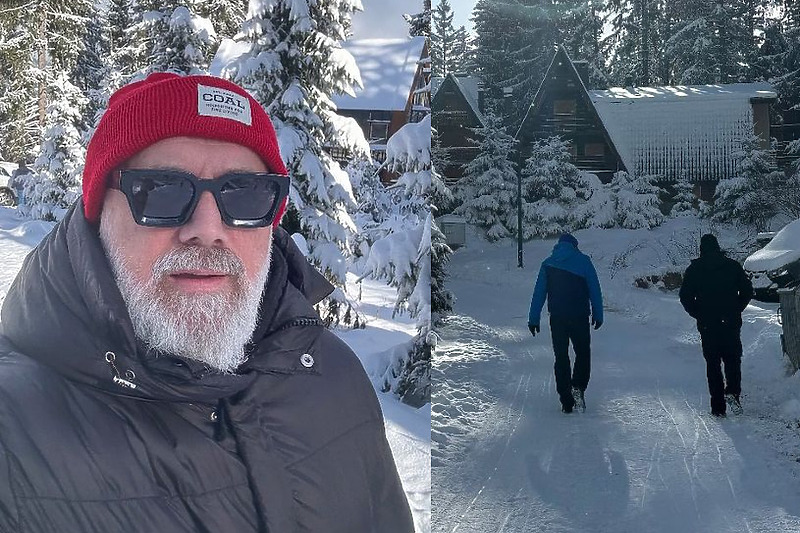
x=715 y=291
x=160 y=445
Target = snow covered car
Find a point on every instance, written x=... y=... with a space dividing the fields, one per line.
x=776 y=265
x=7 y=196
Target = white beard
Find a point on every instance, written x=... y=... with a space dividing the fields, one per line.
x=210 y=328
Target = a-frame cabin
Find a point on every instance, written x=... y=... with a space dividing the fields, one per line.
x=455 y=112
x=562 y=107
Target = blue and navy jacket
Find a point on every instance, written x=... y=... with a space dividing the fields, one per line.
x=568 y=280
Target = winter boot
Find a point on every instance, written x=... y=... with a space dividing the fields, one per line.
x=733 y=403
x=566 y=408
x=577 y=395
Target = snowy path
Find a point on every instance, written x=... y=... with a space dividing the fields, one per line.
x=646 y=456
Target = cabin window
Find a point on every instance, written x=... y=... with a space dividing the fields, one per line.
x=564 y=107
x=594 y=149
x=378 y=131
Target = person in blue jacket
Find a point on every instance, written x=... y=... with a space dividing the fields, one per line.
x=568 y=280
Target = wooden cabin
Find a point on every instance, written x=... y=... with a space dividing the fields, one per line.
x=456 y=109
x=681 y=132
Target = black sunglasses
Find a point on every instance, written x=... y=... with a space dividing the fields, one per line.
x=167 y=198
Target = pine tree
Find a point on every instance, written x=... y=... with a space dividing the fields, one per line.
x=294 y=65
x=639 y=29
x=553 y=190
x=445 y=54
x=515 y=42
x=488 y=191
x=684 y=200
x=127 y=54
x=636 y=201
x=19 y=114
x=710 y=43
x=175 y=38
x=753 y=196
x=581 y=31
x=56 y=173
x=420 y=23
x=93 y=69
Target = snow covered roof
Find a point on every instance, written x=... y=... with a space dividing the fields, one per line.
x=670 y=130
x=469 y=86
x=387 y=69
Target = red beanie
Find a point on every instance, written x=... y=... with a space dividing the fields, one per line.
x=170 y=105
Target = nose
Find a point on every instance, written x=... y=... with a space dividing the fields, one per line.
x=205 y=227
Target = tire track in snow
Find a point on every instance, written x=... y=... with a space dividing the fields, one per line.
x=505 y=447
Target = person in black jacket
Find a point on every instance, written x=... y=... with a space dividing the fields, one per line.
x=162 y=368
x=715 y=292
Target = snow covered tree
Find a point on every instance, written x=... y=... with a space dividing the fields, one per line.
x=582 y=28
x=447 y=42
x=56 y=173
x=37 y=41
x=420 y=23
x=753 y=196
x=226 y=16
x=553 y=190
x=635 y=44
x=176 y=38
x=515 y=42
x=488 y=192
x=636 y=201
x=19 y=113
x=684 y=200
x=294 y=65
x=710 y=42
x=403 y=256
x=92 y=69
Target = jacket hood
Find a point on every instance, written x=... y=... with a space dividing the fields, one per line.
x=64 y=310
x=563 y=252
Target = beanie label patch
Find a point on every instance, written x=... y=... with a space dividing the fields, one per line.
x=222 y=103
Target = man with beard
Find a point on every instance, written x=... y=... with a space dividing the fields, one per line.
x=162 y=367
x=715 y=291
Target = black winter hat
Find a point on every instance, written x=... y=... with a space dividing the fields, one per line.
x=708 y=244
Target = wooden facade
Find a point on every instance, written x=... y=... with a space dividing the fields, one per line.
x=456 y=109
x=676 y=132
x=562 y=107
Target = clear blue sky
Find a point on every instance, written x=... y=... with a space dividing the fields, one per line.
x=384 y=18
x=462 y=11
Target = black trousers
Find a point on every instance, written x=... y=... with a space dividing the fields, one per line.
x=722 y=346
x=576 y=330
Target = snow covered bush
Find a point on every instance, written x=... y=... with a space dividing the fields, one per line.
x=54 y=183
x=685 y=202
x=488 y=190
x=753 y=196
x=636 y=201
x=554 y=191
x=599 y=210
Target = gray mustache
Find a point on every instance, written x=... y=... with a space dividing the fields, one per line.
x=198 y=257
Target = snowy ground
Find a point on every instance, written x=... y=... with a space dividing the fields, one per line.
x=646 y=455
x=408 y=429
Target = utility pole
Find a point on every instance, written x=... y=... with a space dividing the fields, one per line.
x=508 y=92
